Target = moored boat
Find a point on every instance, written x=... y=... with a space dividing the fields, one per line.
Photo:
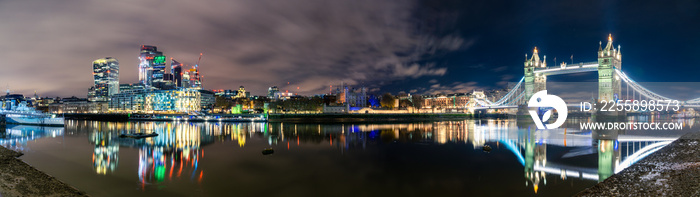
x=138 y=135
x=17 y=112
x=43 y=120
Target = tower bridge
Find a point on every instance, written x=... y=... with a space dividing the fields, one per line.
x=610 y=80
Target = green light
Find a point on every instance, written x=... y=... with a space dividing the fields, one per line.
x=160 y=173
x=159 y=60
x=238 y=109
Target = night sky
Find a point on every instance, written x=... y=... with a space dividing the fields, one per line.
x=421 y=47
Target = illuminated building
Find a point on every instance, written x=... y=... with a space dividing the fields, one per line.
x=271 y=92
x=151 y=66
x=446 y=101
x=207 y=99
x=185 y=83
x=283 y=95
x=78 y=105
x=242 y=93
x=181 y=100
x=130 y=98
x=176 y=70
x=226 y=93
x=352 y=97
x=91 y=93
x=195 y=78
x=105 y=72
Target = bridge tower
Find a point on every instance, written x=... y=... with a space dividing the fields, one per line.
x=534 y=82
x=609 y=59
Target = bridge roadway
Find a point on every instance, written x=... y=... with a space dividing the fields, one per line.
x=568 y=69
x=515 y=106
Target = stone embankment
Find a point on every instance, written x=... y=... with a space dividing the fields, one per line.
x=671 y=171
x=20 y=179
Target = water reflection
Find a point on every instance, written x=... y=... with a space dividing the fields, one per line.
x=176 y=153
x=15 y=137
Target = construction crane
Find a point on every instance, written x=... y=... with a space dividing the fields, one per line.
x=200 y=59
x=198 y=78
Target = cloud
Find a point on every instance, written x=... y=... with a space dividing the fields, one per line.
x=499 y=69
x=433 y=81
x=507 y=77
x=416 y=70
x=48 y=46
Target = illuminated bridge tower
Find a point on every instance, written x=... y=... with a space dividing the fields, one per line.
x=609 y=59
x=534 y=82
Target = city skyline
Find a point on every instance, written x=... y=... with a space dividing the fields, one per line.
x=423 y=47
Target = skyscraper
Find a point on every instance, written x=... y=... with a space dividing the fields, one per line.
x=195 y=78
x=106 y=74
x=151 y=66
x=271 y=92
x=176 y=70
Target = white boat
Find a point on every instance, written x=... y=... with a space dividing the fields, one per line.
x=20 y=113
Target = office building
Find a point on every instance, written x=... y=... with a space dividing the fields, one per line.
x=105 y=72
x=271 y=92
x=181 y=101
x=176 y=70
x=151 y=66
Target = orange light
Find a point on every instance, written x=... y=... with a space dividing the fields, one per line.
x=201 y=173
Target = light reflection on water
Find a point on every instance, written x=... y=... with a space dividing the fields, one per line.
x=171 y=161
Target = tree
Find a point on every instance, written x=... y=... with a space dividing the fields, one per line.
x=417 y=101
x=404 y=103
x=388 y=101
x=222 y=102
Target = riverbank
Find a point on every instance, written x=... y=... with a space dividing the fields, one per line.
x=304 y=118
x=671 y=171
x=364 y=118
x=20 y=179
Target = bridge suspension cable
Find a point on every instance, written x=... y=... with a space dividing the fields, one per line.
x=640 y=89
x=514 y=95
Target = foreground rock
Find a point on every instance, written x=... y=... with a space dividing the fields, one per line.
x=20 y=179
x=671 y=171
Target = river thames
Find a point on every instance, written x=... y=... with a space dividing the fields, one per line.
x=443 y=158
